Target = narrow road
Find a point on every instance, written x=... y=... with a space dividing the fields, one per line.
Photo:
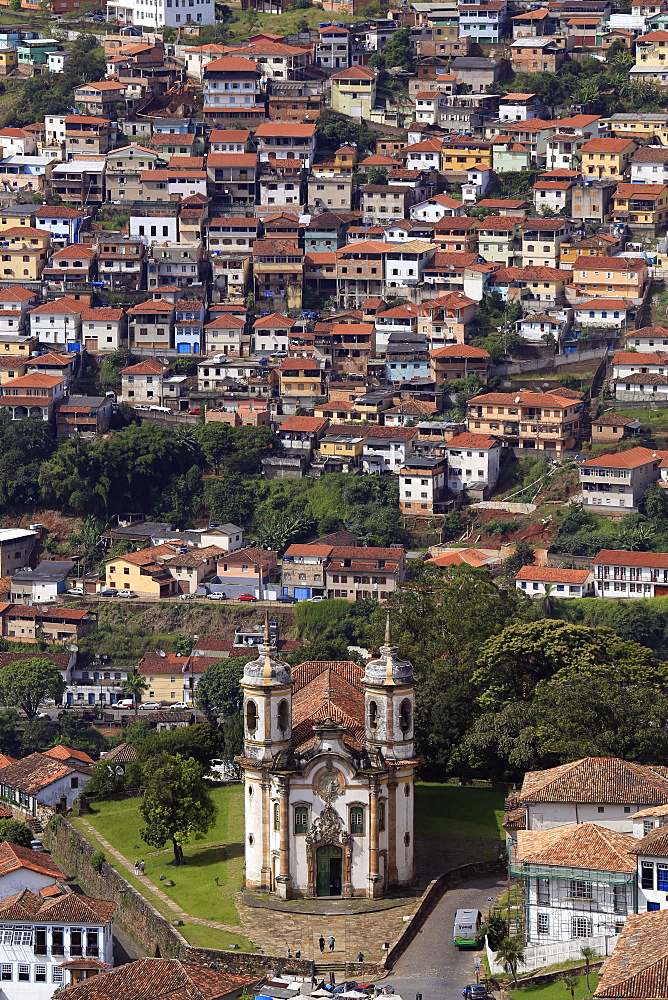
x=431 y=965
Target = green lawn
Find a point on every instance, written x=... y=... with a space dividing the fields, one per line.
x=208 y=937
x=455 y=825
x=219 y=855
x=653 y=420
x=557 y=990
x=281 y=24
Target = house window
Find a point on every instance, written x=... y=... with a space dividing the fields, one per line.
x=581 y=890
x=301 y=819
x=40 y=973
x=24 y=973
x=543 y=890
x=619 y=897
x=580 y=927
x=6 y=974
x=543 y=923
x=662 y=878
x=357 y=820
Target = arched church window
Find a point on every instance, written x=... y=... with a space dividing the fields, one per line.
x=251 y=716
x=357 y=820
x=405 y=716
x=373 y=715
x=381 y=815
x=301 y=819
x=283 y=715
x=277 y=816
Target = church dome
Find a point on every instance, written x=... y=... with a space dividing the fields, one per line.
x=267 y=669
x=388 y=668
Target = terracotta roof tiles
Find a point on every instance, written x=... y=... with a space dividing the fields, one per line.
x=638 y=967
x=597 y=780
x=585 y=845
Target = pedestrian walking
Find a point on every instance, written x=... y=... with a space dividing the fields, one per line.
x=288 y=953
x=142 y=866
x=360 y=957
x=136 y=868
x=321 y=942
x=331 y=943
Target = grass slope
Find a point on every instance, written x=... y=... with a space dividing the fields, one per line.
x=557 y=990
x=456 y=825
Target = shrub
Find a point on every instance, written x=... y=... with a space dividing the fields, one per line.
x=97 y=861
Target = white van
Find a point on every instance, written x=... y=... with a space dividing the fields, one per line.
x=160 y=409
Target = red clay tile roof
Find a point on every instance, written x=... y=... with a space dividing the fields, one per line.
x=124 y=753
x=64 y=305
x=606 y=145
x=655 y=842
x=631 y=459
x=459 y=351
x=585 y=845
x=61 y=752
x=310 y=425
x=68 y=907
x=526 y=398
x=622 y=557
x=638 y=358
x=285 y=130
x=170 y=663
x=159 y=979
x=597 y=780
x=36 y=772
x=74 y=250
x=102 y=313
x=548 y=574
x=638 y=967
x=13 y=857
x=327 y=689
x=273 y=320
x=258 y=557
x=149 y=367
x=470 y=440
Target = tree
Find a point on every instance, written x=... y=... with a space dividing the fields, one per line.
x=176 y=805
x=590 y=955
x=9 y=741
x=219 y=690
x=571 y=984
x=202 y=742
x=495 y=929
x=78 y=735
x=396 y=52
x=511 y=954
x=134 y=687
x=522 y=556
x=14 y=832
x=37 y=735
x=26 y=683
x=376 y=175
x=549 y=604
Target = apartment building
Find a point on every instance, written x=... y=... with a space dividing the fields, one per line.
x=542 y=240
x=616 y=484
x=142 y=383
x=543 y=421
x=474 y=461
x=618 y=573
x=623 y=277
x=281 y=140
x=151 y=324
x=423 y=486
x=642 y=207
x=120 y=261
x=444 y=322
x=360 y=272
x=356 y=572
x=607 y=157
x=233 y=89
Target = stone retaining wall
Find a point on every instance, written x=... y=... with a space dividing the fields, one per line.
x=242 y=962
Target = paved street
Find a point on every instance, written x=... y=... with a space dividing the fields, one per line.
x=432 y=965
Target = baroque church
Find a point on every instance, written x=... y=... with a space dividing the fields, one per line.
x=328 y=766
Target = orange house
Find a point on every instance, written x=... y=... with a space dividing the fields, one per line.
x=603 y=276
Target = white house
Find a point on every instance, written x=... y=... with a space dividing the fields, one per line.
x=400 y=319
x=602 y=312
x=23 y=868
x=606 y=791
x=103 y=328
x=618 y=482
x=651 y=852
x=434 y=209
x=41 y=937
x=636 y=363
x=57 y=323
x=404 y=265
x=16 y=141
x=473 y=460
x=32 y=787
x=619 y=573
x=155 y=228
x=650 y=165
x=425 y=155
x=536 y=326
x=477 y=182
x=40 y=585
x=61 y=221
x=648 y=338
x=386 y=449
x=579 y=879
x=428 y=106
x=328 y=829
x=228 y=537
x=562 y=583
x=160 y=14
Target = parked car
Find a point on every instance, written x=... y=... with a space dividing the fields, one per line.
x=186 y=597
x=179 y=706
x=126 y=593
x=313 y=600
x=110 y=592
x=141 y=406
x=217 y=596
x=154 y=408
x=475 y=991
x=247 y=597
x=286 y=599
x=124 y=703
x=150 y=706
x=75 y=592
x=196 y=410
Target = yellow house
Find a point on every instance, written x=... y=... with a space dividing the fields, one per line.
x=9 y=60
x=10 y=346
x=458 y=156
x=600 y=245
x=651 y=56
x=341 y=446
x=143 y=572
x=641 y=206
x=21 y=215
x=12 y=367
x=22 y=262
x=345 y=159
x=165 y=676
x=634 y=124
x=354 y=91
x=607 y=157
x=27 y=236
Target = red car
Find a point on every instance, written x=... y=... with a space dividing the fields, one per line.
x=195 y=411
x=246 y=597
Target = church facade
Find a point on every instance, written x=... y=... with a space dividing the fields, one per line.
x=328 y=767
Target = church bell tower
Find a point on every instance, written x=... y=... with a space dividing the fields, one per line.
x=389 y=702
x=267 y=687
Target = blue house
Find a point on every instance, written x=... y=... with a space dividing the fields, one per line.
x=325 y=233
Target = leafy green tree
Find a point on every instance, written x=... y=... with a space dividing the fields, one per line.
x=78 y=735
x=571 y=983
x=26 y=683
x=376 y=175
x=396 y=52
x=36 y=736
x=110 y=371
x=323 y=649
x=333 y=130
x=495 y=929
x=202 y=742
x=14 y=832
x=9 y=736
x=219 y=691
x=176 y=805
x=590 y=955
x=522 y=556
